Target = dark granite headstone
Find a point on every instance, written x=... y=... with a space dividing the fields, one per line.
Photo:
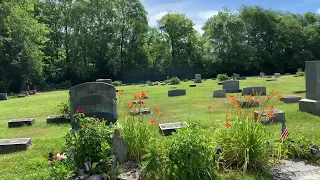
x=279 y=116
x=13 y=145
x=244 y=103
x=21 y=95
x=256 y=90
x=168 y=128
x=21 y=122
x=25 y=89
x=221 y=93
x=95 y=99
x=312 y=102
x=277 y=75
x=58 y=119
x=271 y=80
x=290 y=99
x=4 y=96
x=231 y=86
x=177 y=92
x=192 y=85
x=262 y=74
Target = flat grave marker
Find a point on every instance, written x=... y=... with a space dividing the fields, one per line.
x=221 y=93
x=192 y=85
x=168 y=128
x=13 y=145
x=21 y=122
x=177 y=92
x=290 y=99
x=58 y=119
x=279 y=116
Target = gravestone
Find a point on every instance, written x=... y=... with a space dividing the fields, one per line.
x=312 y=102
x=271 y=80
x=21 y=95
x=245 y=103
x=163 y=84
x=156 y=83
x=290 y=99
x=231 y=86
x=25 y=89
x=33 y=90
x=185 y=80
x=197 y=78
x=299 y=70
x=235 y=75
x=279 y=116
x=262 y=74
x=192 y=85
x=143 y=111
x=177 y=92
x=95 y=99
x=13 y=145
x=119 y=147
x=4 y=96
x=21 y=122
x=288 y=74
x=168 y=128
x=256 y=90
x=277 y=75
x=108 y=81
x=58 y=119
x=221 y=93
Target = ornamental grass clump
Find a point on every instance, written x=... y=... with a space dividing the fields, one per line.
x=244 y=139
x=138 y=128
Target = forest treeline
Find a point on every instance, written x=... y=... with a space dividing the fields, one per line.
x=59 y=43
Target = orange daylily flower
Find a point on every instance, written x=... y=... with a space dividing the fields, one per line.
x=256 y=100
x=280 y=96
x=270 y=115
x=154 y=122
x=271 y=107
x=210 y=107
x=235 y=104
x=120 y=92
x=158 y=113
x=156 y=108
x=227 y=116
x=135 y=96
x=269 y=97
x=232 y=97
x=134 y=111
x=130 y=103
x=143 y=94
x=259 y=116
x=247 y=97
x=228 y=125
x=251 y=116
x=274 y=92
x=120 y=113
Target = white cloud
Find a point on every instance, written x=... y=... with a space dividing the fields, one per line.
x=207 y=14
x=155 y=17
x=318 y=11
x=198 y=27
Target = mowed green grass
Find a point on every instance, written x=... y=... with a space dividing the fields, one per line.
x=191 y=108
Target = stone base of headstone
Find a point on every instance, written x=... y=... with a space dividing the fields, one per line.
x=21 y=122
x=258 y=90
x=129 y=171
x=244 y=103
x=279 y=116
x=138 y=102
x=177 y=92
x=26 y=93
x=310 y=106
x=143 y=111
x=108 y=81
x=192 y=85
x=13 y=145
x=163 y=84
x=168 y=128
x=290 y=99
x=219 y=93
x=58 y=119
x=220 y=83
x=156 y=83
x=240 y=78
x=21 y=95
x=197 y=81
x=271 y=80
x=4 y=96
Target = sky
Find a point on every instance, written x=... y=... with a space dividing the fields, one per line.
x=200 y=10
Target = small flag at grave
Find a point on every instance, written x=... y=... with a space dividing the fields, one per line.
x=284 y=132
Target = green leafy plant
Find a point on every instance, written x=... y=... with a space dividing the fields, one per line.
x=187 y=154
x=91 y=142
x=300 y=73
x=62 y=167
x=222 y=77
x=116 y=83
x=64 y=107
x=174 y=80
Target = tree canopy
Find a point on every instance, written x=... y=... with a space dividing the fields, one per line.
x=59 y=43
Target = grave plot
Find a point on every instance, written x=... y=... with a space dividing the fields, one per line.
x=177 y=92
x=270 y=116
x=21 y=122
x=168 y=128
x=221 y=93
x=58 y=119
x=290 y=99
x=13 y=145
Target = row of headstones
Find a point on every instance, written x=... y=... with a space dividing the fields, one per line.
x=23 y=93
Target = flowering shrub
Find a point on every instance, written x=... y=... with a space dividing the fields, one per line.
x=90 y=143
x=61 y=166
x=135 y=129
x=187 y=154
x=244 y=140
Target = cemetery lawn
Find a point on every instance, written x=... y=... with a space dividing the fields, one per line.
x=191 y=108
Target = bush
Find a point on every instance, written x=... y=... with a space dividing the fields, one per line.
x=300 y=73
x=174 y=80
x=116 y=83
x=187 y=154
x=222 y=77
x=64 y=107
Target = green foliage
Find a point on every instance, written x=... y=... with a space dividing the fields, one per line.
x=187 y=154
x=91 y=142
x=116 y=83
x=300 y=73
x=244 y=145
x=137 y=133
x=64 y=107
x=174 y=80
x=3 y=86
x=222 y=77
